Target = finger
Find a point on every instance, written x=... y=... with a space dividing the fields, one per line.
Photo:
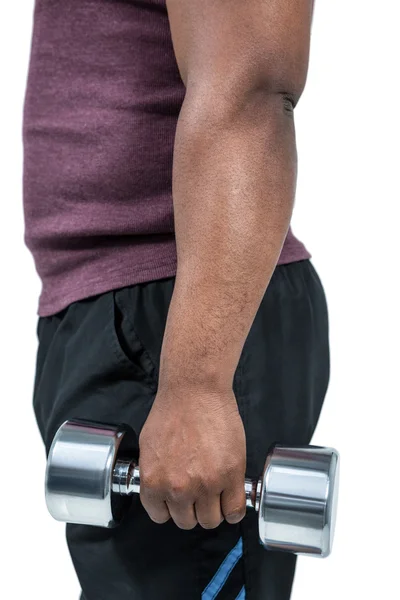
x=233 y=504
x=182 y=514
x=155 y=508
x=208 y=511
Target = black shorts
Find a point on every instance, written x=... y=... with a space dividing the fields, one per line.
x=99 y=358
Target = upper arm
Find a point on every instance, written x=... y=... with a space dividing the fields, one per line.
x=233 y=46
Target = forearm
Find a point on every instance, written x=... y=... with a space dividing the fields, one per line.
x=233 y=187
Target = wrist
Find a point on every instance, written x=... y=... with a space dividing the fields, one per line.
x=183 y=380
x=189 y=375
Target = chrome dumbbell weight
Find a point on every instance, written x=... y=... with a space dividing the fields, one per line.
x=91 y=476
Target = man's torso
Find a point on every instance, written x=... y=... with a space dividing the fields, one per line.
x=102 y=103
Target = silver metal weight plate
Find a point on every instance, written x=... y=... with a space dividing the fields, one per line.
x=79 y=473
x=299 y=500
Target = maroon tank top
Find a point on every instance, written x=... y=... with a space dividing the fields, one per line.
x=101 y=107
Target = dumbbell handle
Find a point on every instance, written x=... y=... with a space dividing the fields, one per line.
x=126 y=481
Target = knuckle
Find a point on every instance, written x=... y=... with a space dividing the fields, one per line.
x=160 y=520
x=186 y=525
x=150 y=484
x=213 y=484
x=177 y=490
x=236 y=514
x=148 y=504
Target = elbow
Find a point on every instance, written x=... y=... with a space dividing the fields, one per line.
x=280 y=71
x=278 y=83
x=286 y=79
x=248 y=106
x=265 y=91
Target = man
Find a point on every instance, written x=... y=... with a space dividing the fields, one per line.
x=159 y=180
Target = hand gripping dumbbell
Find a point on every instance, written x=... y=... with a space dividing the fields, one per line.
x=91 y=476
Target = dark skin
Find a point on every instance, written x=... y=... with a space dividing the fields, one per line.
x=244 y=65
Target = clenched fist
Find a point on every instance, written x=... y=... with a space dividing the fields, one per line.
x=193 y=459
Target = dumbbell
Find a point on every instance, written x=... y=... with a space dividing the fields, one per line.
x=92 y=472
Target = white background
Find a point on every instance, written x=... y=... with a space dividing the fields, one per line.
x=347 y=214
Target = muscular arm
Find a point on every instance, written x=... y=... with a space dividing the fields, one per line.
x=244 y=64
